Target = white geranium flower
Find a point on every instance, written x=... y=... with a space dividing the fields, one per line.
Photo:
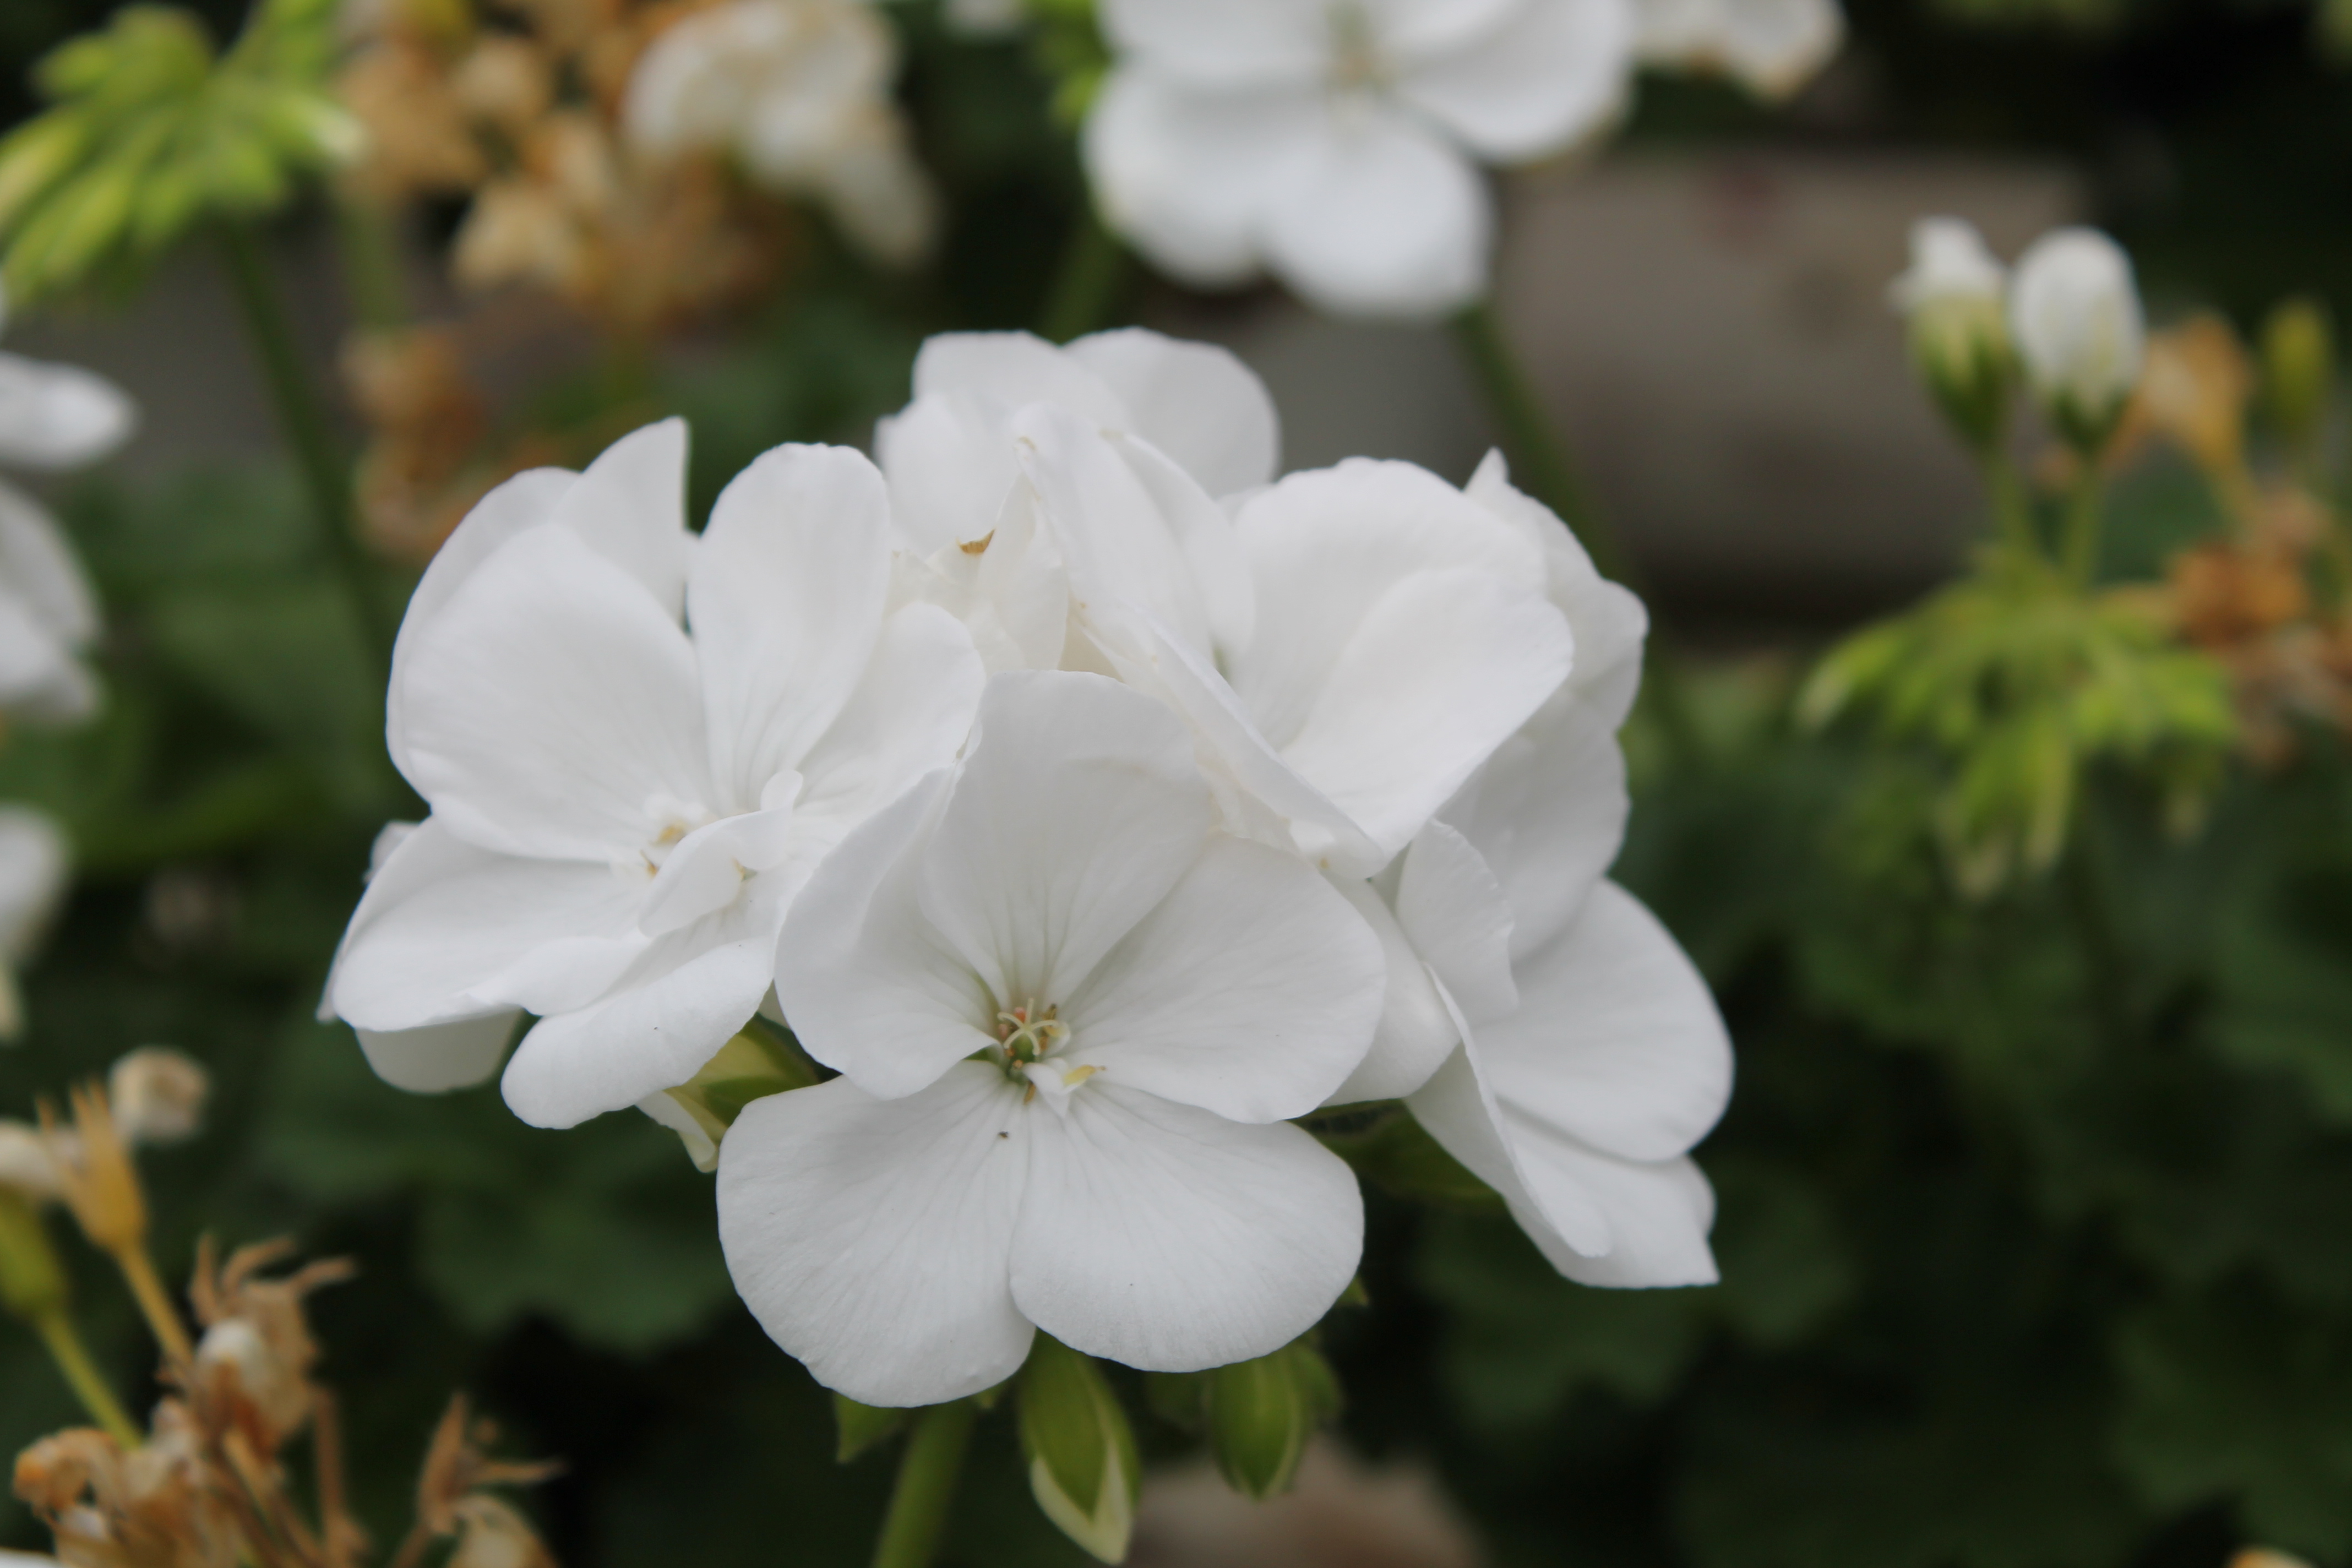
x=623 y=806
x=1770 y=46
x=33 y=870
x=800 y=91
x=52 y=416
x=1337 y=142
x=1949 y=261
x=1070 y=1016
x=1584 y=1055
x=2074 y=316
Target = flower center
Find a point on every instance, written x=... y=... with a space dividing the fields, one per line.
x=1028 y=1033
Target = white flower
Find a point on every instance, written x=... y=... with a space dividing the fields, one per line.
x=33 y=870
x=1336 y=142
x=1582 y=1055
x=799 y=91
x=2074 y=315
x=1070 y=1017
x=28 y=1168
x=51 y=417
x=985 y=16
x=1948 y=261
x=1772 y=47
x=623 y=808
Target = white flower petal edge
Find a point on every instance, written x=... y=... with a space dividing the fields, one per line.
x=1580 y=1106
x=1147 y=999
x=48 y=616
x=33 y=865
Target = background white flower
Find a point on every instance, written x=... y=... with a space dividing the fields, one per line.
x=800 y=91
x=1070 y=1018
x=623 y=808
x=1770 y=46
x=52 y=416
x=2074 y=316
x=1948 y=261
x=1336 y=142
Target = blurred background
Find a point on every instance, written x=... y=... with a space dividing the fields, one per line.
x=2004 y=1287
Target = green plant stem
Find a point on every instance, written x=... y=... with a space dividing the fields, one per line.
x=927 y=1483
x=2082 y=522
x=1087 y=282
x=369 y=235
x=301 y=412
x=58 y=1333
x=2012 y=512
x=1540 y=463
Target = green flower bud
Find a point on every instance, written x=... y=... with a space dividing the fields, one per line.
x=1083 y=1465
x=32 y=1284
x=761 y=1059
x=861 y=1426
x=1961 y=347
x=2298 y=367
x=1262 y=1413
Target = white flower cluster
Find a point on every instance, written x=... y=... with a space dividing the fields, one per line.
x=1336 y=143
x=1095 y=804
x=799 y=91
x=2073 y=313
x=52 y=418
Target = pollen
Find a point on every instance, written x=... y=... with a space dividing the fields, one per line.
x=1028 y=1033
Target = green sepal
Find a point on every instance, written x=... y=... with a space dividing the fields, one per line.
x=1395 y=1153
x=32 y=1281
x=860 y=1427
x=1084 y=1469
x=1263 y=1412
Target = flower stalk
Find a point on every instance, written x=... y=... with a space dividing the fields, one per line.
x=56 y=1327
x=928 y=1473
x=301 y=413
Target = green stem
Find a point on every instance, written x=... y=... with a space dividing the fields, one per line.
x=1087 y=282
x=302 y=412
x=1540 y=463
x=2082 y=521
x=57 y=1332
x=2012 y=513
x=369 y=232
x=927 y=1483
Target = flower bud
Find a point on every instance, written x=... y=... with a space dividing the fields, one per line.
x=1083 y=1465
x=158 y=1095
x=2074 y=316
x=1960 y=339
x=749 y=1066
x=858 y=1427
x=1262 y=1413
x=31 y=1282
x=2298 y=367
x=494 y=1534
x=28 y=1166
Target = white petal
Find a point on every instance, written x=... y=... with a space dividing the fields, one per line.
x=1223 y=42
x=1405 y=30
x=550 y=702
x=440 y=1057
x=1190 y=177
x=1617 y=1042
x=1076 y=811
x=1552 y=75
x=1416 y=1034
x=785 y=602
x=1170 y=1239
x=522 y=502
x=630 y=507
x=1120 y=544
x=1659 y=1215
x=1011 y=370
x=1451 y=904
x=60 y=415
x=39 y=568
x=1151 y=659
x=34 y=864
x=1383 y=218
x=1196 y=402
x=657 y=1028
x=1609 y=622
x=1251 y=990
x=706 y=871
x=447 y=932
x=1218 y=575
x=949 y=464
x=870 y=989
x=1548 y=813
x=911 y=713
x=871 y=1238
